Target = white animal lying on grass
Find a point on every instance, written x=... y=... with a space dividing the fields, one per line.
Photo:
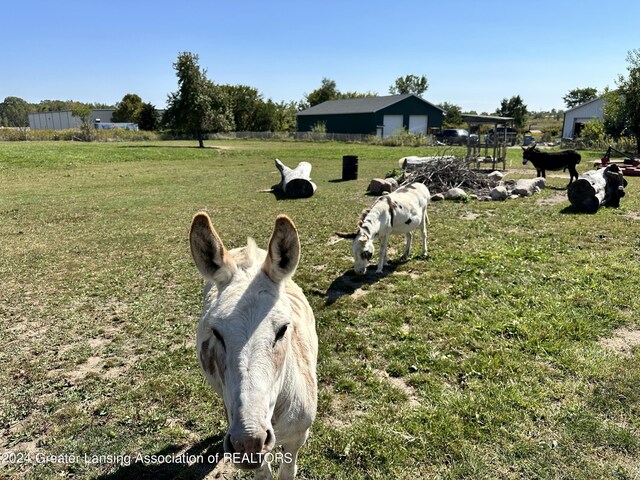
x=402 y=211
x=257 y=345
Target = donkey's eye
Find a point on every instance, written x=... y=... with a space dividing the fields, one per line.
x=216 y=333
x=281 y=332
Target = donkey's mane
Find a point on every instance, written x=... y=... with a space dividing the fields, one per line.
x=363 y=215
x=246 y=257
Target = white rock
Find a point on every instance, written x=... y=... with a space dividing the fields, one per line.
x=528 y=186
x=455 y=194
x=499 y=193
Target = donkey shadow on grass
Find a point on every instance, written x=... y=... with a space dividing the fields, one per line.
x=349 y=282
x=172 y=462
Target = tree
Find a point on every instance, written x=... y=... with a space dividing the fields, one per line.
x=578 y=96
x=613 y=114
x=452 y=115
x=66 y=105
x=281 y=117
x=148 y=118
x=14 y=112
x=327 y=91
x=409 y=84
x=629 y=91
x=514 y=107
x=593 y=131
x=199 y=106
x=358 y=94
x=84 y=112
x=53 y=106
x=246 y=104
x=128 y=109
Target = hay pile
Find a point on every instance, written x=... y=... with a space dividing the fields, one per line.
x=440 y=174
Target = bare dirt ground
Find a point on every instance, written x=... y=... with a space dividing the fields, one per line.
x=623 y=341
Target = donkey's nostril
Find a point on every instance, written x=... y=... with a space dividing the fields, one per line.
x=269 y=441
x=250 y=444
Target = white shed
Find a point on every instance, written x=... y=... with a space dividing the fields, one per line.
x=577 y=116
x=64 y=120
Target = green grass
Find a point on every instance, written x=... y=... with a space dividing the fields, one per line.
x=480 y=361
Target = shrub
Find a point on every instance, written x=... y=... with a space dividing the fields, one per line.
x=72 y=134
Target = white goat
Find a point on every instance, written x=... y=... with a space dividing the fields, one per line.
x=402 y=211
x=257 y=345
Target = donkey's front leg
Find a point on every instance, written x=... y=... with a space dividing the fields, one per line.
x=264 y=472
x=424 y=237
x=407 y=248
x=384 y=241
x=288 y=466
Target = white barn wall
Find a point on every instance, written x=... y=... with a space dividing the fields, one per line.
x=64 y=120
x=50 y=121
x=581 y=114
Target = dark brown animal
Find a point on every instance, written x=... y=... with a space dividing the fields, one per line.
x=567 y=159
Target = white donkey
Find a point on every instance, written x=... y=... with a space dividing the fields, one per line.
x=402 y=211
x=257 y=345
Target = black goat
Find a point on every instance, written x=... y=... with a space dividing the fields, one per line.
x=552 y=161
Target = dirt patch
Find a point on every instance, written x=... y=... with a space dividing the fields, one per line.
x=529 y=172
x=96 y=343
x=92 y=365
x=633 y=215
x=358 y=293
x=470 y=216
x=223 y=469
x=622 y=342
x=333 y=239
x=342 y=414
x=400 y=384
x=556 y=199
x=412 y=275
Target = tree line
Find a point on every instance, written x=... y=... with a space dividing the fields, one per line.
x=201 y=106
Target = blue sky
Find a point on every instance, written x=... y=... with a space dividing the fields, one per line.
x=474 y=53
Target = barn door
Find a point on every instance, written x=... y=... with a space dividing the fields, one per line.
x=392 y=125
x=418 y=124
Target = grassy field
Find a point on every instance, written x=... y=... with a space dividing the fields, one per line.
x=508 y=353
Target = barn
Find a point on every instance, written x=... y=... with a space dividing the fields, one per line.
x=576 y=117
x=65 y=119
x=382 y=116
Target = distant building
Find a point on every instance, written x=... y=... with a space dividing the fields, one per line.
x=382 y=116
x=113 y=125
x=576 y=117
x=65 y=119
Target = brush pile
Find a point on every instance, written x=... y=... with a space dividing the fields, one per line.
x=441 y=174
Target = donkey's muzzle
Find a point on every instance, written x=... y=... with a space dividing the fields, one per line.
x=248 y=451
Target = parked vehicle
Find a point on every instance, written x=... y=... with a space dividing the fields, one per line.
x=453 y=136
x=511 y=135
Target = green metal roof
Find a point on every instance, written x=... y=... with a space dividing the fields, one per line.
x=359 y=105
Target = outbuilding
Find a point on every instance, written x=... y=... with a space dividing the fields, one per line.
x=576 y=117
x=382 y=116
x=61 y=120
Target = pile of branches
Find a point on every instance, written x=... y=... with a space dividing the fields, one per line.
x=440 y=174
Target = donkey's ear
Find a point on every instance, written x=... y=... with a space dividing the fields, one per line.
x=349 y=236
x=284 y=250
x=212 y=259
